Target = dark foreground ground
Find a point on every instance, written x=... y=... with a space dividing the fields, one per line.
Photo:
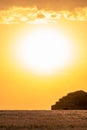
x=43 y=120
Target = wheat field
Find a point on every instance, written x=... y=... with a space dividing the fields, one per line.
x=43 y=120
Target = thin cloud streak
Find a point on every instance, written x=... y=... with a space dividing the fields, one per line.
x=34 y=15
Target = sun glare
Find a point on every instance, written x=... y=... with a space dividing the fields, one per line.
x=43 y=51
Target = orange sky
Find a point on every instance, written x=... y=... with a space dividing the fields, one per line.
x=20 y=88
x=53 y=4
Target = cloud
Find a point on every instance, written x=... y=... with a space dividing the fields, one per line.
x=34 y=15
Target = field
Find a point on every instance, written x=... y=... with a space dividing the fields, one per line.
x=43 y=120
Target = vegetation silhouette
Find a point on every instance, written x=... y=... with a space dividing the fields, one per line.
x=73 y=101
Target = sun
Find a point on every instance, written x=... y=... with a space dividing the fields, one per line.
x=43 y=51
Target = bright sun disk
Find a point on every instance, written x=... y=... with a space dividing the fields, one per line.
x=44 y=51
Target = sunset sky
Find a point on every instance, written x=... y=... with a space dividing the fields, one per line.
x=43 y=51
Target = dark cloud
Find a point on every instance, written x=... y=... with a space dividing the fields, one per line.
x=47 y=4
